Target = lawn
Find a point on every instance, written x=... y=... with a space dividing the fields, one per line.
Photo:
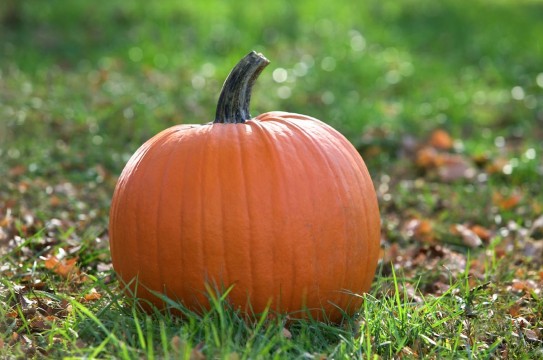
x=444 y=101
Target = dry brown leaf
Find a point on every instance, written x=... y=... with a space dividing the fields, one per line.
x=92 y=295
x=381 y=254
x=506 y=202
x=13 y=338
x=17 y=170
x=13 y=314
x=54 y=200
x=39 y=324
x=525 y=286
x=425 y=230
x=23 y=187
x=496 y=166
x=449 y=166
x=407 y=351
x=7 y=220
x=390 y=253
x=177 y=344
x=428 y=157
x=482 y=232
x=286 y=333
x=514 y=310
x=469 y=238
x=520 y=272
x=440 y=139
x=101 y=266
x=533 y=250
x=64 y=267
x=531 y=335
x=80 y=344
x=455 y=168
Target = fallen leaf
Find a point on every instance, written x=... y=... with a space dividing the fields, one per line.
x=482 y=232
x=455 y=167
x=80 y=344
x=469 y=238
x=17 y=170
x=534 y=251
x=522 y=322
x=525 y=286
x=381 y=254
x=54 y=200
x=407 y=351
x=506 y=202
x=178 y=345
x=92 y=295
x=39 y=324
x=520 y=272
x=531 y=335
x=7 y=220
x=440 y=139
x=449 y=167
x=421 y=229
x=496 y=166
x=428 y=157
x=286 y=333
x=64 y=267
x=23 y=187
x=104 y=266
x=390 y=253
x=514 y=310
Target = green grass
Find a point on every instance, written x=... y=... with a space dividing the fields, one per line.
x=464 y=321
x=83 y=85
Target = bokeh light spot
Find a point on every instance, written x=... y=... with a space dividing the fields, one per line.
x=135 y=54
x=280 y=75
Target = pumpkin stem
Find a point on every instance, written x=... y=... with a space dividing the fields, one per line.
x=233 y=105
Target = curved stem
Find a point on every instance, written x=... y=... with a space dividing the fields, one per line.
x=233 y=105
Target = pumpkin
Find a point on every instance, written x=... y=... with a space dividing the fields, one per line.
x=279 y=207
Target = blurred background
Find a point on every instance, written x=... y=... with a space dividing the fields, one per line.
x=96 y=79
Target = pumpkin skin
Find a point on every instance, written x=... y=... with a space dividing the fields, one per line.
x=280 y=206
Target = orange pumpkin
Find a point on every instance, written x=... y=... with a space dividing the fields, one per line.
x=281 y=206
